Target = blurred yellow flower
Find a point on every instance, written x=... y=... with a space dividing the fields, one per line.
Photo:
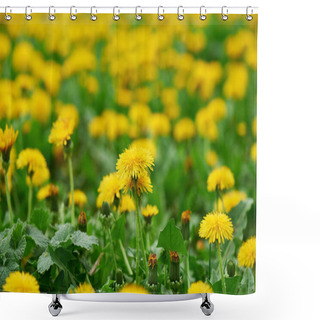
x=31 y=158
x=5 y=47
x=8 y=138
x=253 y=152
x=79 y=198
x=147 y=144
x=241 y=129
x=149 y=211
x=217 y=109
x=159 y=125
x=109 y=189
x=50 y=190
x=216 y=226
x=199 y=287
x=206 y=124
x=235 y=86
x=21 y=282
x=247 y=253
x=40 y=104
x=84 y=288
x=68 y=112
x=184 y=130
x=126 y=204
x=61 y=132
x=211 y=158
x=230 y=200
x=139 y=114
x=133 y=288
x=39 y=176
x=220 y=179
x=22 y=56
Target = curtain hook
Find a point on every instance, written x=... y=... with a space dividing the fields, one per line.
x=28 y=16
x=138 y=16
x=180 y=15
x=203 y=15
x=224 y=16
x=116 y=17
x=248 y=16
x=73 y=17
x=93 y=16
x=7 y=16
x=51 y=16
x=160 y=16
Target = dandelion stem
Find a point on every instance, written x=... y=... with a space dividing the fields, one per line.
x=30 y=201
x=8 y=198
x=187 y=266
x=147 y=240
x=210 y=251
x=224 y=290
x=125 y=258
x=137 y=239
x=73 y=219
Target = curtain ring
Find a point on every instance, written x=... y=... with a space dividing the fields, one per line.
x=224 y=15
x=203 y=15
x=28 y=16
x=73 y=17
x=93 y=16
x=180 y=15
x=160 y=16
x=138 y=16
x=51 y=16
x=248 y=16
x=7 y=16
x=116 y=17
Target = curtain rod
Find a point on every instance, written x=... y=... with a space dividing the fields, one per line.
x=129 y=10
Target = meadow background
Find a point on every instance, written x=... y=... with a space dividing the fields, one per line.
x=174 y=68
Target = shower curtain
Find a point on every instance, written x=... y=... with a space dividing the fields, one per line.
x=128 y=154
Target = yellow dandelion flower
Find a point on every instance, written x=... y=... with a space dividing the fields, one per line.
x=220 y=179
x=242 y=129
x=184 y=130
x=139 y=113
x=84 y=288
x=247 y=253
x=61 y=132
x=217 y=109
x=79 y=198
x=149 y=211
x=231 y=199
x=7 y=139
x=206 y=125
x=5 y=46
x=21 y=282
x=10 y=170
x=159 y=125
x=40 y=106
x=145 y=144
x=199 y=287
x=134 y=162
x=109 y=189
x=50 y=190
x=211 y=158
x=253 y=152
x=68 y=112
x=143 y=184
x=216 y=226
x=126 y=204
x=39 y=176
x=133 y=288
x=97 y=127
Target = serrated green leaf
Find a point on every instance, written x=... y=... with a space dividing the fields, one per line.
x=62 y=235
x=44 y=262
x=41 y=218
x=19 y=251
x=5 y=243
x=81 y=239
x=4 y=273
x=170 y=238
x=231 y=285
x=37 y=236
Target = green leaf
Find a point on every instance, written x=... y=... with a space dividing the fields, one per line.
x=4 y=273
x=62 y=235
x=37 y=236
x=118 y=231
x=170 y=238
x=231 y=285
x=108 y=287
x=19 y=251
x=5 y=243
x=44 y=262
x=41 y=218
x=247 y=282
x=81 y=239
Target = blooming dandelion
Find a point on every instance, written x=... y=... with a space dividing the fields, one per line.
x=133 y=288
x=84 y=288
x=21 y=282
x=247 y=253
x=199 y=287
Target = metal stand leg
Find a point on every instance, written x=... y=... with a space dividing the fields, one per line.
x=55 y=306
x=206 y=305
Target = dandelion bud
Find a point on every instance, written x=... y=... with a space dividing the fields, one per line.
x=174 y=271
x=185 y=219
x=119 y=277
x=231 y=268
x=200 y=245
x=153 y=270
x=82 y=222
x=106 y=209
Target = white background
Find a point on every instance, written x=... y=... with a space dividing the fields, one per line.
x=288 y=217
